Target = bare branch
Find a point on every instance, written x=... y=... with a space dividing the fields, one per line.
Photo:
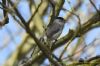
x=34 y=13
x=95 y=7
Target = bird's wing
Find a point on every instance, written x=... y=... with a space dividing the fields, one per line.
x=54 y=28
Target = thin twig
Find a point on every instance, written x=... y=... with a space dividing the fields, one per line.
x=95 y=7
x=33 y=15
x=93 y=58
x=65 y=49
x=53 y=12
x=79 y=20
x=74 y=34
x=5 y=13
x=84 y=49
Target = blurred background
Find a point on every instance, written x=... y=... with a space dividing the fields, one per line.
x=15 y=43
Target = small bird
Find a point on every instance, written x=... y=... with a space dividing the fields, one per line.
x=55 y=29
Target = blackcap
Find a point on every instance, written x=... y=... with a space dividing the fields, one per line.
x=55 y=29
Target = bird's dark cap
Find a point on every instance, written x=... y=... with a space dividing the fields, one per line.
x=60 y=18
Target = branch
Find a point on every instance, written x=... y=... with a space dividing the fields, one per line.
x=84 y=28
x=5 y=13
x=34 y=13
x=95 y=7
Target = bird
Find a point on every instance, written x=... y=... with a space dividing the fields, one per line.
x=55 y=29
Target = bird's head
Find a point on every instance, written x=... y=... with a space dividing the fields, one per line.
x=59 y=20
